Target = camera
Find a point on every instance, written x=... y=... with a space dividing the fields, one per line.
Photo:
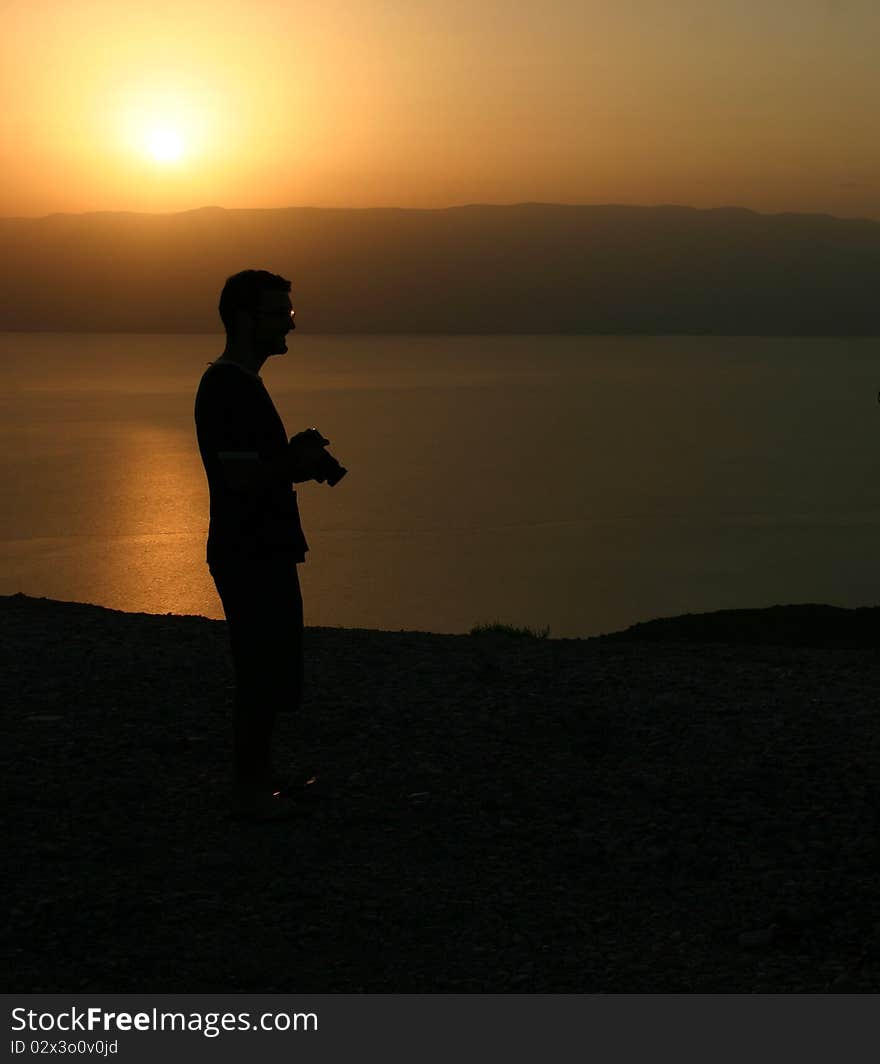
x=326 y=468
x=329 y=470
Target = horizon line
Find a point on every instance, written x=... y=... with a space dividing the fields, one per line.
x=437 y=210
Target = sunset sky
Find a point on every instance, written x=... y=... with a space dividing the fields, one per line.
x=168 y=106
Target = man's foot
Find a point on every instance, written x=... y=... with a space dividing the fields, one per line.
x=300 y=790
x=264 y=806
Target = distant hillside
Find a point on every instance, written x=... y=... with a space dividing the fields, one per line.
x=530 y=268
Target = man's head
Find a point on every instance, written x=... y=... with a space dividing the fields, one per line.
x=256 y=311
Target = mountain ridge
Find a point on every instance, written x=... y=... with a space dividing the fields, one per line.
x=530 y=268
x=682 y=207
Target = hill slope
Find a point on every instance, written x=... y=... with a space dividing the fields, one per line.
x=529 y=268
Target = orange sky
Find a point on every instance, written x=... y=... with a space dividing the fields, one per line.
x=167 y=106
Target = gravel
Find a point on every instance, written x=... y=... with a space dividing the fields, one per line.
x=656 y=811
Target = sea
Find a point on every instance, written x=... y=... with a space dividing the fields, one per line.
x=570 y=484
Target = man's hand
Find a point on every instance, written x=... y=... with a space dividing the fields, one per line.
x=306 y=449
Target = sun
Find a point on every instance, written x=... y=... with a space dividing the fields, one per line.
x=164 y=144
x=165 y=127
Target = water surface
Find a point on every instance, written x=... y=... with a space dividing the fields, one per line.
x=580 y=483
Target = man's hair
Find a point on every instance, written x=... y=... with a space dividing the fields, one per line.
x=242 y=291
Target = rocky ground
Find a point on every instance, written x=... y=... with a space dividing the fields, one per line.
x=689 y=807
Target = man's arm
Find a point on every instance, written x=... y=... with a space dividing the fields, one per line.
x=247 y=473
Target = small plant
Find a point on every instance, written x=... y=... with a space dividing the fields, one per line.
x=496 y=628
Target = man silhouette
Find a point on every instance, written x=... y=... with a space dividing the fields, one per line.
x=255 y=540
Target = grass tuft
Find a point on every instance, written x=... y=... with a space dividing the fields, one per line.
x=496 y=628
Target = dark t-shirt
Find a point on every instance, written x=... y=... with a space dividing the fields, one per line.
x=234 y=415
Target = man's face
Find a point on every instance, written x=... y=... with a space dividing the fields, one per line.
x=272 y=322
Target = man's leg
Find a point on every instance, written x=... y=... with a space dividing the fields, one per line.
x=263 y=608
